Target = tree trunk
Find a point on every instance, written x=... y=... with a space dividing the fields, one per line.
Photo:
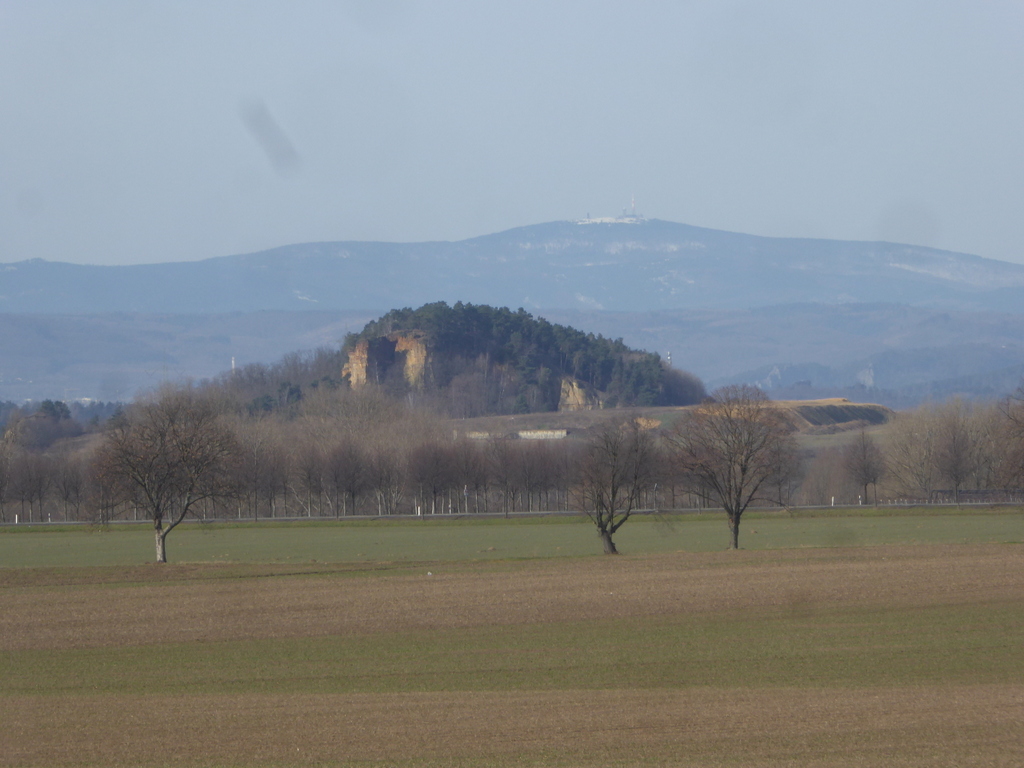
x=734 y=532
x=609 y=545
x=161 y=545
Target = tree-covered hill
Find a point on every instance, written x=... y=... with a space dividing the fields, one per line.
x=480 y=359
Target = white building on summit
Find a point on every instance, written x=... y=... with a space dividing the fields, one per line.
x=629 y=216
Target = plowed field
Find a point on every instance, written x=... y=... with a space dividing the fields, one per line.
x=902 y=656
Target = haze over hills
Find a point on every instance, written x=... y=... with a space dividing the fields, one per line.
x=630 y=264
x=893 y=323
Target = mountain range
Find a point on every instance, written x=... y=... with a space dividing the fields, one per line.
x=872 y=320
x=631 y=264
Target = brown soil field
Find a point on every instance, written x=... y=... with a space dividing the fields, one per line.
x=458 y=595
x=970 y=723
x=958 y=726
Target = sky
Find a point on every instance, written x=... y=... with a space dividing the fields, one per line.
x=136 y=132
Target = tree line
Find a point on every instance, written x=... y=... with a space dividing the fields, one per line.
x=193 y=452
x=947 y=452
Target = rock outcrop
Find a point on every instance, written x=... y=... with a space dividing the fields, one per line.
x=376 y=359
x=577 y=397
x=355 y=368
x=414 y=348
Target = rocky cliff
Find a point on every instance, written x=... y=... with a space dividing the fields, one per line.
x=376 y=359
x=577 y=397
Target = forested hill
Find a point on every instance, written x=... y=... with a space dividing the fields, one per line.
x=482 y=359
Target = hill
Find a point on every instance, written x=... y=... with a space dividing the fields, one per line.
x=477 y=359
x=888 y=323
x=891 y=354
x=627 y=265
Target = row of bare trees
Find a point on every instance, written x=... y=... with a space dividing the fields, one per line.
x=175 y=454
x=936 y=453
x=184 y=452
x=42 y=487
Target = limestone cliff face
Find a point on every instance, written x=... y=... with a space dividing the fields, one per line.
x=576 y=397
x=413 y=345
x=375 y=359
x=355 y=369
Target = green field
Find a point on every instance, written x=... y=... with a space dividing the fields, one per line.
x=833 y=639
x=495 y=538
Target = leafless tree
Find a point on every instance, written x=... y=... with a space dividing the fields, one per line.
x=864 y=463
x=471 y=472
x=826 y=480
x=1011 y=409
x=501 y=467
x=910 y=454
x=386 y=474
x=308 y=479
x=31 y=481
x=995 y=448
x=347 y=474
x=70 y=481
x=615 y=470
x=785 y=479
x=958 y=442
x=431 y=471
x=564 y=468
x=5 y=478
x=256 y=458
x=731 y=447
x=532 y=470
x=171 y=453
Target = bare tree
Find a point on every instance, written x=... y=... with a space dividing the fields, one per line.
x=309 y=470
x=431 y=470
x=255 y=459
x=70 y=479
x=826 y=480
x=170 y=453
x=787 y=474
x=31 y=481
x=386 y=474
x=958 y=442
x=864 y=463
x=347 y=475
x=471 y=472
x=501 y=468
x=731 y=447
x=532 y=470
x=106 y=489
x=5 y=478
x=273 y=480
x=1011 y=473
x=615 y=470
x=910 y=453
x=994 y=448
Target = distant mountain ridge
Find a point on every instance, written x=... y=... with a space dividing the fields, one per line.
x=637 y=265
x=891 y=323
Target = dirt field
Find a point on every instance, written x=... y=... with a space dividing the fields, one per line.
x=902 y=656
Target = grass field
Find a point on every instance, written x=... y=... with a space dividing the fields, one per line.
x=830 y=641
x=499 y=539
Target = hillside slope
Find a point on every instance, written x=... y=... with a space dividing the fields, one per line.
x=635 y=265
x=472 y=360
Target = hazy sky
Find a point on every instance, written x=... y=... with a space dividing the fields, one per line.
x=161 y=131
